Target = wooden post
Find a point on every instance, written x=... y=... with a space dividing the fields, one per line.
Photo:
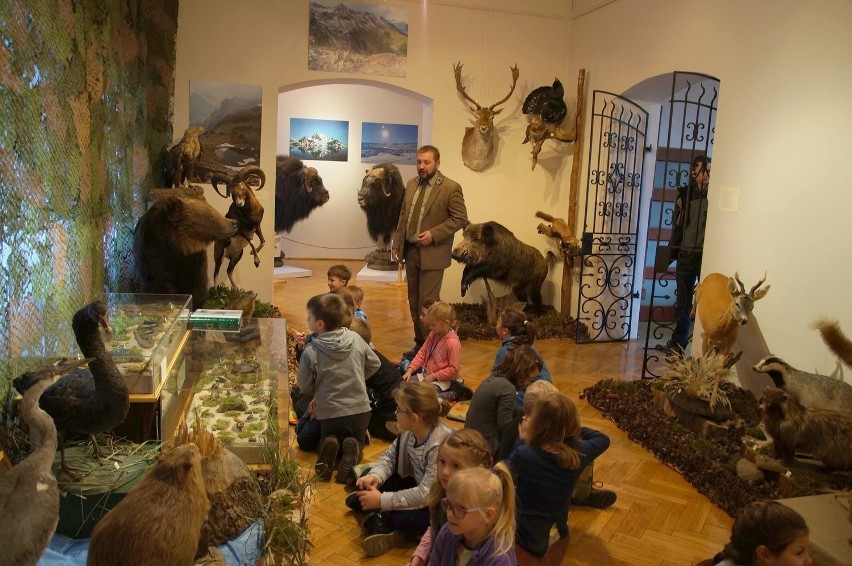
x=574 y=194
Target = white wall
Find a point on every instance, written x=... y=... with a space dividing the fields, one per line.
x=338 y=229
x=782 y=139
x=265 y=42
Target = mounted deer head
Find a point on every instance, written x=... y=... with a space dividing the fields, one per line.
x=478 y=142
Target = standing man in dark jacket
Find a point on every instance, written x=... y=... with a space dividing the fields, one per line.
x=690 y=220
x=432 y=212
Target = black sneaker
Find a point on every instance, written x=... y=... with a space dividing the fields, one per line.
x=409 y=355
x=326 y=458
x=381 y=537
x=353 y=502
x=598 y=498
x=350 y=457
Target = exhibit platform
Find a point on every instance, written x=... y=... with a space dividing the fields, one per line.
x=288 y=272
x=380 y=276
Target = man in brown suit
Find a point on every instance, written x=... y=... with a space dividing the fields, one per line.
x=433 y=211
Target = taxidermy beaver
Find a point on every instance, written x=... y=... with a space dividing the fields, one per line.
x=159 y=522
x=827 y=435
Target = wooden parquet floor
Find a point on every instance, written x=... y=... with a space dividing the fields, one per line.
x=659 y=519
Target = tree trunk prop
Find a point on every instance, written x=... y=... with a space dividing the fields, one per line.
x=573 y=198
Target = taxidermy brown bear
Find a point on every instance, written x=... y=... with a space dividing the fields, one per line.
x=170 y=246
x=159 y=522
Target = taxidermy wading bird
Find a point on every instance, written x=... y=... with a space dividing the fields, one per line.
x=88 y=401
x=29 y=496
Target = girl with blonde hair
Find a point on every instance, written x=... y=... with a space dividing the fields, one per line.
x=463 y=449
x=394 y=491
x=554 y=451
x=439 y=359
x=480 y=527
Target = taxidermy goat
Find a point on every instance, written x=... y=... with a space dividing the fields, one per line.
x=478 y=142
x=179 y=165
x=722 y=306
x=247 y=211
x=87 y=401
x=827 y=435
x=29 y=495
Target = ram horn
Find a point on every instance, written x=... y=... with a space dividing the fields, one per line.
x=249 y=171
x=220 y=178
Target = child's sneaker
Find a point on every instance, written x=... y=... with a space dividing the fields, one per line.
x=350 y=457
x=598 y=498
x=326 y=458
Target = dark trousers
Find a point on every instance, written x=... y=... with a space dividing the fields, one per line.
x=686 y=276
x=422 y=285
x=412 y=522
x=344 y=427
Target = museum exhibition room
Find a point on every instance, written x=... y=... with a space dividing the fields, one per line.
x=420 y=282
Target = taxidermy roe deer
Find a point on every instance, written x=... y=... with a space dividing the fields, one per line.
x=478 y=143
x=722 y=306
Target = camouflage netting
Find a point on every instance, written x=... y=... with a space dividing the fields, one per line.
x=86 y=89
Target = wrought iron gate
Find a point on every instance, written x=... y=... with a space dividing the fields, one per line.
x=687 y=130
x=611 y=223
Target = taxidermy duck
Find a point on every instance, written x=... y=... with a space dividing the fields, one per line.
x=546 y=102
x=29 y=496
x=88 y=401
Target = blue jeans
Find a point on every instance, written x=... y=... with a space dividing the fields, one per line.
x=686 y=277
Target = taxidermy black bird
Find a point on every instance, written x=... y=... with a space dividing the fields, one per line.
x=546 y=101
x=29 y=496
x=88 y=401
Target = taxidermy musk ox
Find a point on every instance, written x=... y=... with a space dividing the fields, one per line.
x=170 y=246
x=795 y=428
x=380 y=197
x=159 y=521
x=179 y=165
x=490 y=250
x=298 y=190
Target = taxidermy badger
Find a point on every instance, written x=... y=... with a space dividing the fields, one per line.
x=824 y=434
x=810 y=389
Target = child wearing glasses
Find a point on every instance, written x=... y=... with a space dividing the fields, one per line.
x=480 y=527
x=393 y=492
x=547 y=464
x=461 y=450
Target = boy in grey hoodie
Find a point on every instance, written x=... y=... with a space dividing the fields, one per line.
x=333 y=369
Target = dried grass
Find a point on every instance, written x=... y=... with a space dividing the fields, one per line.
x=698 y=376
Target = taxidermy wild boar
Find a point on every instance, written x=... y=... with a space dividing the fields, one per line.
x=491 y=250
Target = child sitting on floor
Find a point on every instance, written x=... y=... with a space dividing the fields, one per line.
x=480 y=527
x=515 y=329
x=358 y=298
x=465 y=448
x=338 y=277
x=393 y=492
x=333 y=368
x=439 y=359
x=546 y=464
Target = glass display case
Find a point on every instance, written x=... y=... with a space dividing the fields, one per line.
x=147 y=333
x=233 y=381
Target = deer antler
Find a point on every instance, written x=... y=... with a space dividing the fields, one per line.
x=515 y=73
x=759 y=283
x=457 y=68
x=742 y=287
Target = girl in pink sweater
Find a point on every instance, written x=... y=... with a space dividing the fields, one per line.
x=439 y=359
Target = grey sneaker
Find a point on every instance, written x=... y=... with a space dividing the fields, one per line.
x=378 y=544
x=326 y=458
x=349 y=458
